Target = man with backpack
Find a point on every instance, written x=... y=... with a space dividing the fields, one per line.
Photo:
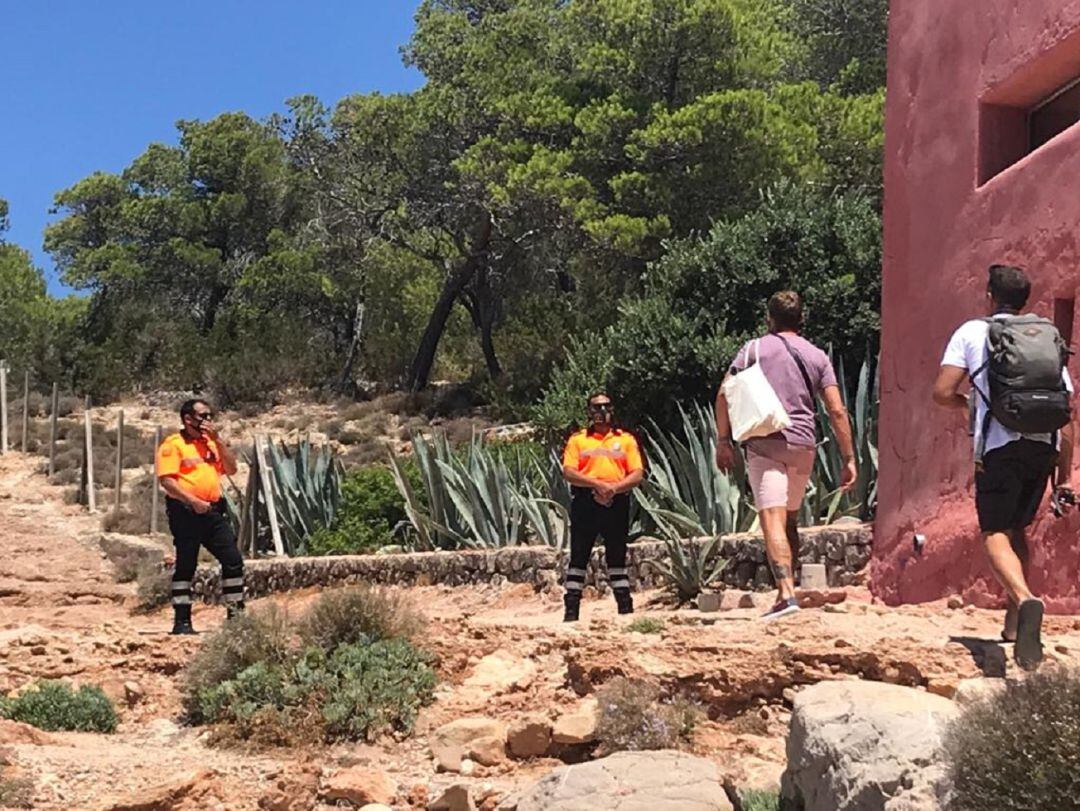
x=1020 y=418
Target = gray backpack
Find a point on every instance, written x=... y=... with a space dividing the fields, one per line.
x=1025 y=359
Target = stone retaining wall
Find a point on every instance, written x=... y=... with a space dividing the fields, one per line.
x=844 y=549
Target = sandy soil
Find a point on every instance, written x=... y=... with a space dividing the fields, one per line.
x=62 y=615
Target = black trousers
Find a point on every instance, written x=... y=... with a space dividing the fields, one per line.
x=212 y=529
x=589 y=520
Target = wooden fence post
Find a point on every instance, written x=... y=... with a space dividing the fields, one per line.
x=3 y=407
x=156 y=490
x=268 y=494
x=119 y=483
x=25 y=409
x=52 y=428
x=88 y=456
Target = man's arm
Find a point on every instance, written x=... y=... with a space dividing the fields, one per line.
x=841 y=426
x=173 y=489
x=577 y=478
x=630 y=481
x=725 y=449
x=1065 y=456
x=947 y=387
x=228 y=458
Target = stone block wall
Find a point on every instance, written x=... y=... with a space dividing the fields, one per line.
x=845 y=549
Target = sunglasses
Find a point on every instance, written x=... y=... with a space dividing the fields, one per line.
x=602 y=407
x=204 y=417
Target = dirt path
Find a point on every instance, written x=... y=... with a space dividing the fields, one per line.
x=502 y=652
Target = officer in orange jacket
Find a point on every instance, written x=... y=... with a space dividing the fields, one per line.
x=189 y=467
x=602 y=464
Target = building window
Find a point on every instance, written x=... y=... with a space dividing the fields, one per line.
x=1017 y=119
x=1053 y=115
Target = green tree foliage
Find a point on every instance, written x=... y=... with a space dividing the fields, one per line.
x=557 y=165
x=707 y=295
x=844 y=42
x=38 y=331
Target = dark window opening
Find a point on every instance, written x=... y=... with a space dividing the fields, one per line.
x=1064 y=312
x=1054 y=115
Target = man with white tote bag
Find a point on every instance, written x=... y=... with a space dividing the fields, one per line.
x=767 y=402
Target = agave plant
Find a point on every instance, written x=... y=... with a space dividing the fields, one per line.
x=477 y=499
x=306 y=484
x=685 y=494
x=688 y=572
x=825 y=500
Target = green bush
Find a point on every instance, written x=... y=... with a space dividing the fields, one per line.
x=645 y=625
x=351 y=615
x=759 y=800
x=633 y=717
x=54 y=706
x=353 y=676
x=370 y=512
x=357 y=692
x=252 y=638
x=1019 y=749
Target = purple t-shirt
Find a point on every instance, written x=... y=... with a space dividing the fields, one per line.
x=784 y=376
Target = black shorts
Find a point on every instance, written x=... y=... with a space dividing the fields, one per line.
x=1011 y=484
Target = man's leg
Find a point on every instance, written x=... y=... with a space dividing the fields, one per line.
x=220 y=541
x=778 y=550
x=582 y=537
x=1008 y=492
x=791 y=529
x=615 y=530
x=1007 y=566
x=1018 y=541
x=184 y=530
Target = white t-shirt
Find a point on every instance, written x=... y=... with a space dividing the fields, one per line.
x=967 y=350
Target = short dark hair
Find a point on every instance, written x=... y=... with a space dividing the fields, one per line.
x=596 y=394
x=187 y=408
x=1009 y=286
x=785 y=310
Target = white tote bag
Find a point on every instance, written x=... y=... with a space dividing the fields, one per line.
x=753 y=407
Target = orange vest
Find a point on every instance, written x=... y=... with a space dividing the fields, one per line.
x=194 y=463
x=610 y=457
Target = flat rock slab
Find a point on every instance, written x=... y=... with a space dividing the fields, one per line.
x=631 y=781
x=866 y=746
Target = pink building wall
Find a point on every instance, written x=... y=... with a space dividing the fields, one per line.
x=961 y=78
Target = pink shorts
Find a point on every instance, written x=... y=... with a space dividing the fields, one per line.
x=778 y=473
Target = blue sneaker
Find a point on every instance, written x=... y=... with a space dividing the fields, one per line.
x=782 y=608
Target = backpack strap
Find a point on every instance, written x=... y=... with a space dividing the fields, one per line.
x=802 y=366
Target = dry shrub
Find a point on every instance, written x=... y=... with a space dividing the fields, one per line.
x=254 y=637
x=359 y=613
x=16 y=791
x=1019 y=749
x=634 y=717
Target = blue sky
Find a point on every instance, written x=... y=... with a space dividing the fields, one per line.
x=85 y=86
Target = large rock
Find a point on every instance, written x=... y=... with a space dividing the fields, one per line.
x=631 y=781
x=577 y=726
x=18 y=732
x=454 y=798
x=359 y=786
x=866 y=746
x=529 y=737
x=501 y=672
x=477 y=738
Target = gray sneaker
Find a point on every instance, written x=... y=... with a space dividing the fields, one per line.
x=783 y=608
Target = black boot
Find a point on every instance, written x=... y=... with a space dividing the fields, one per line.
x=624 y=601
x=182 y=621
x=234 y=610
x=571 y=606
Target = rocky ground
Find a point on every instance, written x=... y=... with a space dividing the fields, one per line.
x=504 y=660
